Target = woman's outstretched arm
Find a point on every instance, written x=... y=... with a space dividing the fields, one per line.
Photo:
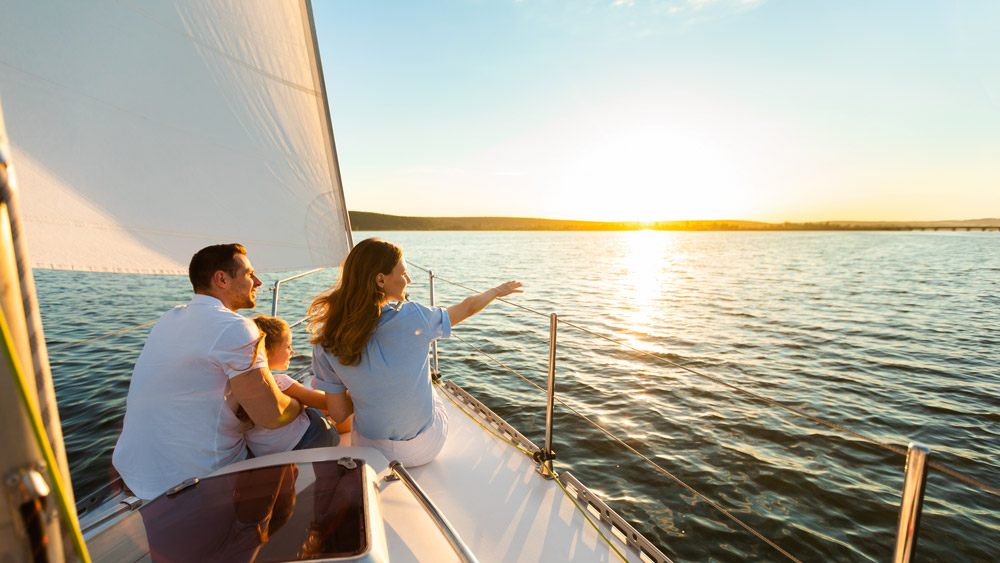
x=472 y=305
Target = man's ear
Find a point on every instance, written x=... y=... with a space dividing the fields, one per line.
x=220 y=279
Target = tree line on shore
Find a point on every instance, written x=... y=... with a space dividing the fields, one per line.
x=367 y=221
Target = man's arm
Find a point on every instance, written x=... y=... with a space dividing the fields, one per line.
x=258 y=394
x=472 y=305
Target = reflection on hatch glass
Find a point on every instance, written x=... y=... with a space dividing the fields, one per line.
x=255 y=515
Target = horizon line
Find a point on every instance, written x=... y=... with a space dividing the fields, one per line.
x=660 y=221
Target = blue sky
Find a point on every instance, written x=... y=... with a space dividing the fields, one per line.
x=667 y=110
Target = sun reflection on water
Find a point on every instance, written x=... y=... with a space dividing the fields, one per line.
x=648 y=261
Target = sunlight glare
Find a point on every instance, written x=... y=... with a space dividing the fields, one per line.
x=647 y=260
x=656 y=173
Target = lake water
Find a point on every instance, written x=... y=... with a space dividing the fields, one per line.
x=891 y=335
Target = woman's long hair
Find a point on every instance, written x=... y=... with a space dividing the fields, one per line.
x=342 y=319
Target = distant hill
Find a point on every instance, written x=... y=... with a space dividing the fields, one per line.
x=366 y=221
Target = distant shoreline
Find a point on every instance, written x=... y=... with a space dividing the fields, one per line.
x=367 y=221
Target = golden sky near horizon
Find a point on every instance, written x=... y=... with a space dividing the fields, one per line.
x=669 y=110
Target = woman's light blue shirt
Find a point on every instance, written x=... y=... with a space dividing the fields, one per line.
x=391 y=387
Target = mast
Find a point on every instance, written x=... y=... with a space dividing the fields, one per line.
x=40 y=509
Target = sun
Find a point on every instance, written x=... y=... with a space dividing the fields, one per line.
x=653 y=173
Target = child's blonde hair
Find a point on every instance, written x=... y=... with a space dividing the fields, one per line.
x=272 y=329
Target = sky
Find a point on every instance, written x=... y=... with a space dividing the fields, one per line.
x=645 y=110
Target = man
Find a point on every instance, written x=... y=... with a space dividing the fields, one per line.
x=200 y=363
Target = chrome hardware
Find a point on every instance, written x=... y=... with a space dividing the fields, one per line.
x=347 y=462
x=619 y=527
x=464 y=553
x=550 y=400
x=26 y=488
x=27 y=484
x=126 y=505
x=435 y=372
x=183 y=485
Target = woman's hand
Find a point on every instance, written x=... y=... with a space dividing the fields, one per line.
x=472 y=305
x=505 y=289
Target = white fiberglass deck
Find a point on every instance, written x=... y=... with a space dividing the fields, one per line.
x=491 y=494
x=500 y=505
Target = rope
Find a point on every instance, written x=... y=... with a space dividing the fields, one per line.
x=42 y=440
x=477 y=421
x=100 y=337
x=934 y=465
x=582 y=511
x=586 y=516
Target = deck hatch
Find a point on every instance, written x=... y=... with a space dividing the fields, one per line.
x=304 y=511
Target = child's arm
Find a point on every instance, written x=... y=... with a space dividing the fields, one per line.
x=309 y=397
x=339 y=406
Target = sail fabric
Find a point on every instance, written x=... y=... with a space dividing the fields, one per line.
x=142 y=131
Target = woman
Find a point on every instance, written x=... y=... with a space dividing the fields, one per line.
x=379 y=353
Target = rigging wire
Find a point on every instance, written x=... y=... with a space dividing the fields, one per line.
x=100 y=337
x=643 y=457
x=934 y=465
x=943 y=469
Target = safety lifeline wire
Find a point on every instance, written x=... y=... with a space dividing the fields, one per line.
x=678 y=480
x=944 y=469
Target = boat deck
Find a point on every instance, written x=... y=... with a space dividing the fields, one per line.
x=489 y=491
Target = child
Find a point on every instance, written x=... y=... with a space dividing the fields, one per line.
x=277 y=337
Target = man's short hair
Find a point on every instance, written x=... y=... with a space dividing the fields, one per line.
x=211 y=259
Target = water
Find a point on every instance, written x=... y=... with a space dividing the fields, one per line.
x=892 y=335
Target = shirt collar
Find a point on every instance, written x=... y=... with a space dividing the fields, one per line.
x=202 y=299
x=393 y=306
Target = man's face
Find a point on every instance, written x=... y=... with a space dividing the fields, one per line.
x=242 y=290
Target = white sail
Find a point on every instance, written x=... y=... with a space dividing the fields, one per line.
x=143 y=131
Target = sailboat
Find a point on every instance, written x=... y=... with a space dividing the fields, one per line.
x=135 y=134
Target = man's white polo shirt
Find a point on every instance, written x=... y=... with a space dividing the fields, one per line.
x=179 y=419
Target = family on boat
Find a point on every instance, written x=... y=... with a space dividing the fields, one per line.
x=202 y=394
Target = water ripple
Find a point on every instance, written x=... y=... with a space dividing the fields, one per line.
x=892 y=335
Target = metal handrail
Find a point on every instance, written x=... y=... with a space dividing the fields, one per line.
x=277 y=285
x=462 y=550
